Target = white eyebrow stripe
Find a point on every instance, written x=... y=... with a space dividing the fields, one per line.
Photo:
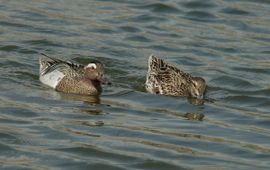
x=90 y=65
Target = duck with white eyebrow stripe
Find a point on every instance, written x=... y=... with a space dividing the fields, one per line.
x=72 y=78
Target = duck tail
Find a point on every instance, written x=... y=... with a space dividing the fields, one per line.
x=45 y=62
x=151 y=62
x=151 y=58
x=42 y=64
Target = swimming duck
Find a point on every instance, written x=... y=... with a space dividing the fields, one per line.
x=68 y=77
x=166 y=79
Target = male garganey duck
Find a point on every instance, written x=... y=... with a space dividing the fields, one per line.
x=68 y=77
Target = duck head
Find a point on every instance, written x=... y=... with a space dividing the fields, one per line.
x=197 y=87
x=95 y=71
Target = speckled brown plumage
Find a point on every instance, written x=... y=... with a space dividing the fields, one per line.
x=166 y=79
x=79 y=85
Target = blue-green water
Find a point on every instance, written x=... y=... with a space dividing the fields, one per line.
x=226 y=42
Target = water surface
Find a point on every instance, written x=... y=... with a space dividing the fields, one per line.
x=226 y=42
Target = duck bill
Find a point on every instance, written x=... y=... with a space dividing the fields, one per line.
x=104 y=81
x=200 y=97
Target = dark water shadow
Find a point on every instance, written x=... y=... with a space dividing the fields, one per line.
x=84 y=98
x=108 y=100
x=91 y=106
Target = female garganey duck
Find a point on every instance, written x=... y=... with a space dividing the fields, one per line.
x=163 y=78
x=68 y=77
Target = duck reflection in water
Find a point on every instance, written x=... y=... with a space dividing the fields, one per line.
x=91 y=102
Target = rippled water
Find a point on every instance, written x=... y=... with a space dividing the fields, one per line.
x=226 y=42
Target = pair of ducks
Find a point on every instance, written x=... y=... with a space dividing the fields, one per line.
x=162 y=78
